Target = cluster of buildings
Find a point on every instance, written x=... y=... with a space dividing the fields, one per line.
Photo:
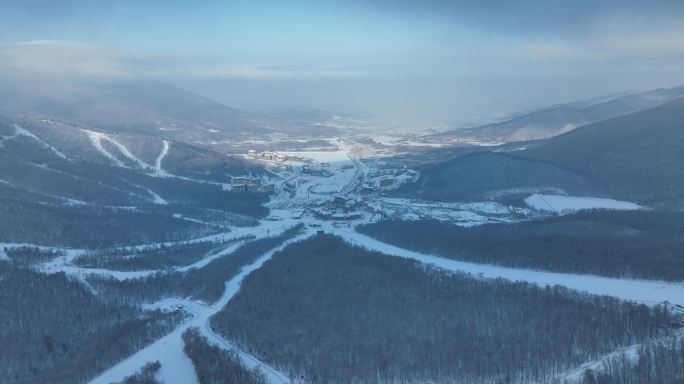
x=250 y=184
x=272 y=156
x=317 y=169
x=385 y=180
x=339 y=208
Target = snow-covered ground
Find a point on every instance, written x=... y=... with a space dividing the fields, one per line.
x=642 y=291
x=19 y=131
x=160 y=158
x=462 y=214
x=176 y=367
x=630 y=353
x=287 y=209
x=567 y=204
x=65 y=263
x=320 y=156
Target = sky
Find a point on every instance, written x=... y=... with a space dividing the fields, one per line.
x=404 y=60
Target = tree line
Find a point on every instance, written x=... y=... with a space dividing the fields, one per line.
x=214 y=365
x=642 y=244
x=52 y=330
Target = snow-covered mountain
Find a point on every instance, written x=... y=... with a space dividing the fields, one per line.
x=152 y=108
x=558 y=119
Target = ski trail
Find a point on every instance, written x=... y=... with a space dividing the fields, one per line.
x=265 y=228
x=631 y=353
x=160 y=158
x=176 y=367
x=155 y=198
x=96 y=139
x=235 y=237
x=19 y=131
x=122 y=148
x=83 y=272
x=642 y=291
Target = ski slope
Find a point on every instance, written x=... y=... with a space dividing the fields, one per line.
x=160 y=158
x=19 y=131
x=65 y=263
x=642 y=291
x=567 y=204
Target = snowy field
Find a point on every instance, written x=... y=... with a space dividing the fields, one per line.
x=568 y=204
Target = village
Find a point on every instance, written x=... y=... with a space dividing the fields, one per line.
x=337 y=187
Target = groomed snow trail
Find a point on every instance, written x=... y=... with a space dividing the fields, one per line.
x=176 y=367
x=642 y=291
x=96 y=141
x=158 y=161
x=19 y=131
x=631 y=353
x=569 y=204
x=64 y=264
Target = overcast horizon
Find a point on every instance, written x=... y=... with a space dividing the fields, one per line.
x=426 y=61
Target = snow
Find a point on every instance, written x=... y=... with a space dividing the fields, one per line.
x=96 y=139
x=67 y=253
x=321 y=156
x=176 y=367
x=156 y=198
x=631 y=353
x=158 y=161
x=19 y=131
x=575 y=375
x=82 y=273
x=206 y=260
x=564 y=204
x=126 y=152
x=462 y=214
x=642 y=291
x=65 y=265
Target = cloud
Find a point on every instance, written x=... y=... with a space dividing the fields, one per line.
x=57 y=58
x=229 y=71
x=69 y=59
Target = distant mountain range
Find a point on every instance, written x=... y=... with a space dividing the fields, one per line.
x=636 y=156
x=150 y=108
x=558 y=119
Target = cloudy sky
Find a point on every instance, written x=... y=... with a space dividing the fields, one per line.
x=431 y=60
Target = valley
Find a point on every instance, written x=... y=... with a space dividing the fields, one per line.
x=270 y=257
x=334 y=193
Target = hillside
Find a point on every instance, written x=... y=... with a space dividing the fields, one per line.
x=62 y=184
x=491 y=175
x=151 y=108
x=636 y=156
x=558 y=119
x=536 y=125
